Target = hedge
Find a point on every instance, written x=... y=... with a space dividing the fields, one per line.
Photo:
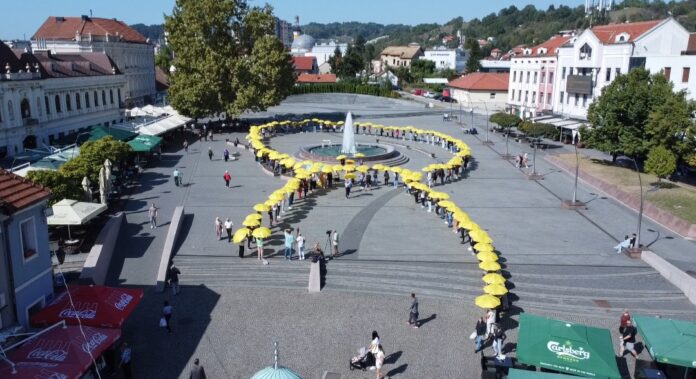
x=537 y=129
x=360 y=89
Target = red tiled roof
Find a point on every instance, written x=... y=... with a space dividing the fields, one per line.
x=607 y=33
x=316 y=78
x=550 y=45
x=17 y=193
x=161 y=80
x=482 y=81
x=691 y=46
x=303 y=63
x=65 y=28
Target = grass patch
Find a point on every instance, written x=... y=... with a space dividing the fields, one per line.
x=675 y=198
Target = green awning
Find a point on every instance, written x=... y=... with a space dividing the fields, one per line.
x=523 y=374
x=100 y=132
x=574 y=349
x=144 y=143
x=669 y=341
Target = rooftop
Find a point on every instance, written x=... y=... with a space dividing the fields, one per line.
x=405 y=52
x=316 y=78
x=303 y=63
x=67 y=28
x=17 y=193
x=607 y=33
x=482 y=81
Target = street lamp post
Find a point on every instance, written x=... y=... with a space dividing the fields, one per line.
x=637 y=247
x=488 y=141
x=534 y=175
x=574 y=203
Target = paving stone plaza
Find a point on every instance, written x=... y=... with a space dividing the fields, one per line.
x=230 y=311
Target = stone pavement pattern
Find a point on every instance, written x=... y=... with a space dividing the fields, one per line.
x=561 y=262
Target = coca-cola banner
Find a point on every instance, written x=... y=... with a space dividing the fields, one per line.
x=60 y=353
x=99 y=306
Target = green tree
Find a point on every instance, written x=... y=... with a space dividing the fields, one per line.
x=92 y=157
x=226 y=58
x=421 y=68
x=661 y=162
x=472 y=64
x=404 y=75
x=351 y=64
x=163 y=59
x=619 y=116
x=505 y=120
x=335 y=61
x=670 y=125
x=60 y=185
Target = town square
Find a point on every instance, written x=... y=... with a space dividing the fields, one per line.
x=264 y=218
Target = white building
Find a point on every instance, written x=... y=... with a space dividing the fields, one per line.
x=482 y=91
x=594 y=58
x=677 y=68
x=45 y=96
x=532 y=76
x=446 y=59
x=323 y=51
x=132 y=53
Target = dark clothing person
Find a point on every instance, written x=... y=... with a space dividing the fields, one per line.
x=226 y=155
x=413 y=312
x=197 y=371
x=241 y=250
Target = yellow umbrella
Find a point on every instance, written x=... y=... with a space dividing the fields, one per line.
x=327 y=169
x=489 y=266
x=262 y=208
x=359 y=155
x=349 y=168
x=493 y=279
x=262 y=232
x=269 y=203
x=487 y=302
x=350 y=161
x=294 y=181
x=483 y=247
x=261 y=153
x=315 y=169
x=439 y=195
x=288 y=162
x=349 y=176
x=254 y=216
x=495 y=289
x=341 y=157
x=446 y=204
x=487 y=256
x=302 y=175
x=378 y=166
x=362 y=168
x=395 y=169
x=240 y=235
x=251 y=222
x=479 y=235
x=274 y=155
x=337 y=167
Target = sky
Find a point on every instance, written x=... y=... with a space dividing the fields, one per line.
x=22 y=18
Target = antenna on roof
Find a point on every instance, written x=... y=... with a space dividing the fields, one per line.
x=90 y=13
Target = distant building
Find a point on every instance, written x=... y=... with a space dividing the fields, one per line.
x=132 y=53
x=480 y=90
x=316 y=78
x=26 y=273
x=325 y=68
x=400 y=56
x=447 y=59
x=283 y=31
x=305 y=65
x=494 y=66
x=323 y=51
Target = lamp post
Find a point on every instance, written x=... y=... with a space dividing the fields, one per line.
x=488 y=141
x=574 y=203
x=75 y=144
x=637 y=248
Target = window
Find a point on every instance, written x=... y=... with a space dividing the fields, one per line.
x=548 y=98
x=519 y=95
x=68 y=106
x=47 y=105
x=119 y=96
x=535 y=77
x=618 y=72
x=1 y=113
x=512 y=95
x=563 y=73
x=577 y=99
x=38 y=107
x=492 y=95
x=111 y=95
x=585 y=52
x=668 y=72
x=551 y=77
x=58 y=110
x=10 y=110
x=685 y=74
x=541 y=98
x=528 y=75
x=27 y=231
x=103 y=97
x=78 y=104
x=514 y=76
x=534 y=97
x=526 y=96
x=87 y=99
x=561 y=98
x=543 y=77
x=584 y=100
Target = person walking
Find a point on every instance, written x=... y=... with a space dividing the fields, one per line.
x=396 y=179
x=227 y=177
x=259 y=248
x=334 y=243
x=197 y=371
x=628 y=340
x=176 y=175
x=228 y=228
x=186 y=146
x=386 y=178
x=167 y=311
x=125 y=362
x=379 y=361
x=174 y=279
x=348 y=185
x=289 y=242
x=480 y=333
x=226 y=154
x=498 y=338
x=623 y=320
x=300 y=246
x=490 y=320
x=218 y=228
x=413 y=312
x=152 y=212
x=368 y=182
x=210 y=153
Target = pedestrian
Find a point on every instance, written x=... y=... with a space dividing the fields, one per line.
x=152 y=212
x=525 y=160
x=259 y=248
x=413 y=312
x=210 y=153
x=490 y=320
x=300 y=245
x=329 y=180
x=226 y=154
x=623 y=245
x=430 y=179
x=186 y=146
x=227 y=177
x=289 y=242
x=167 y=311
x=374 y=343
x=218 y=228
x=480 y=333
x=125 y=362
x=240 y=249
x=632 y=241
x=197 y=371
x=628 y=340
x=498 y=338
x=623 y=320
x=174 y=279
x=210 y=135
x=386 y=177
x=368 y=181
x=236 y=142
x=334 y=242
x=228 y=228
x=271 y=211
x=379 y=361
x=176 y=174
x=396 y=179
x=348 y=185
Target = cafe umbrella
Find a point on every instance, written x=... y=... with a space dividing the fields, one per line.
x=72 y=212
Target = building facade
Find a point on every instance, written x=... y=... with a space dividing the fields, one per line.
x=593 y=59
x=24 y=254
x=132 y=53
x=400 y=56
x=323 y=51
x=44 y=96
x=446 y=59
x=481 y=91
x=532 y=77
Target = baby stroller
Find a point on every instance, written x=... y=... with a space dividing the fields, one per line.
x=363 y=360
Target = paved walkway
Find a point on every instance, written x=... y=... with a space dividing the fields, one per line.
x=231 y=310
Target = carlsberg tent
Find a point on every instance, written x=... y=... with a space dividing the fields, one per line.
x=568 y=348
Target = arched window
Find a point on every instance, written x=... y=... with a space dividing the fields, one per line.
x=96 y=99
x=585 y=52
x=10 y=110
x=87 y=99
x=68 y=106
x=25 y=108
x=78 y=103
x=38 y=107
x=47 y=105
x=111 y=95
x=58 y=110
x=103 y=97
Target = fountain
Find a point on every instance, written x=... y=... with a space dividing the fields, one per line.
x=368 y=152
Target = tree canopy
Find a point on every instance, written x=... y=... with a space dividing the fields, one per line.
x=226 y=58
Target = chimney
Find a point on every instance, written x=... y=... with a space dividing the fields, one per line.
x=85 y=18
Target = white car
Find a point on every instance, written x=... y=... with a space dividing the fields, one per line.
x=429 y=94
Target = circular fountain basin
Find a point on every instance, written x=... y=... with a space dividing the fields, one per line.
x=328 y=153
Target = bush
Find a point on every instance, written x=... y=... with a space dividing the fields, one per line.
x=661 y=162
x=505 y=120
x=92 y=157
x=537 y=130
x=348 y=87
x=60 y=185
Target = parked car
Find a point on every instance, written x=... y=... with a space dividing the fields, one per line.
x=430 y=95
x=417 y=92
x=447 y=99
x=437 y=97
